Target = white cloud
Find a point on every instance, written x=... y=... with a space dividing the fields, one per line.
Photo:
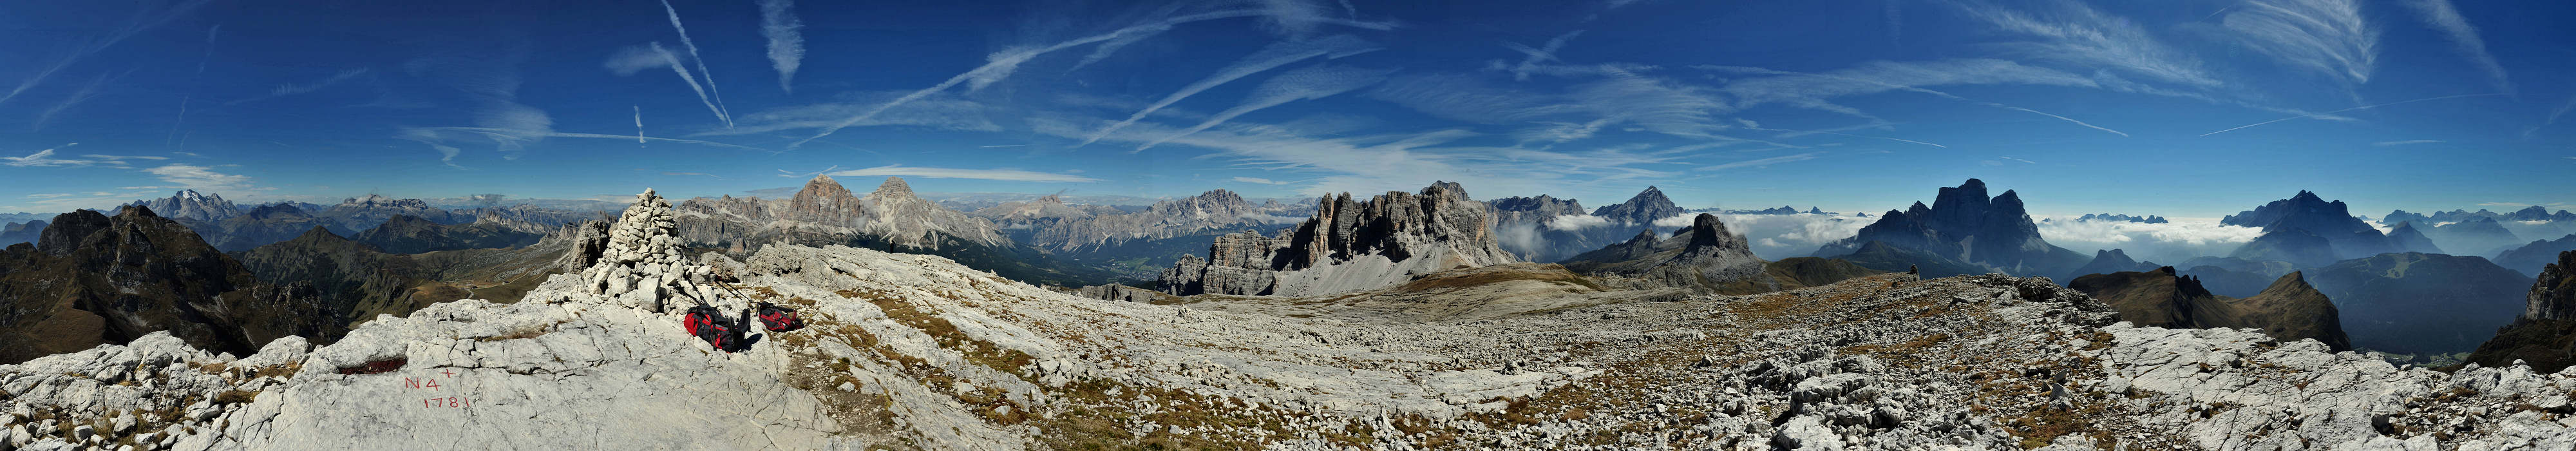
x=1764 y=161
x=1783 y=236
x=1259 y=180
x=1013 y=175
x=1577 y=222
x=2406 y=142
x=2328 y=37
x=203 y=178
x=46 y=158
x=778 y=22
x=2077 y=34
x=2168 y=243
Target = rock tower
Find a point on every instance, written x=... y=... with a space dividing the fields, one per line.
x=642 y=266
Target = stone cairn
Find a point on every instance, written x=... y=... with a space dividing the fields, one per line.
x=642 y=266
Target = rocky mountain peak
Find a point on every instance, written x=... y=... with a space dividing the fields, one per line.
x=1706 y=231
x=1350 y=245
x=1446 y=188
x=893 y=186
x=189 y=204
x=2116 y=255
x=1644 y=208
x=1965 y=225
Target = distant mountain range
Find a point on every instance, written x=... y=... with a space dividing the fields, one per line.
x=1547 y=229
x=2532 y=213
x=2148 y=219
x=1706 y=257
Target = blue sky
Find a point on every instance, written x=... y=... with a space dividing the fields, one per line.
x=2178 y=108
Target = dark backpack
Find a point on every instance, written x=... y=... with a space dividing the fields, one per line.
x=709 y=324
x=779 y=319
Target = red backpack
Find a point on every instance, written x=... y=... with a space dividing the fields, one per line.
x=709 y=324
x=779 y=319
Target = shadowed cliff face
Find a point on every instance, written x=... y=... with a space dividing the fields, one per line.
x=2545 y=336
x=2289 y=309
x=94 y=279
x=1966 y=228
x=2421 y=303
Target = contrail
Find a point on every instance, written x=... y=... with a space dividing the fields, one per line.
x=639 y=125
x=1847 y=134
x=192 y=87
x=674 y=61
x=141 y=21
x=685 y=42
x=1933 y=92
x=2363 y=107
x=1002 y=63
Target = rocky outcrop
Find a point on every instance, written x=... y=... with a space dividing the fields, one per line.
x=2106 y=262
x=2289 y=309
x=189 y=205
x=2408 y=239
x=2421 y=303
x=2545 y=335
x=405 y=234
x=94 y=279
x=1965 y=227
x=1348 y=245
